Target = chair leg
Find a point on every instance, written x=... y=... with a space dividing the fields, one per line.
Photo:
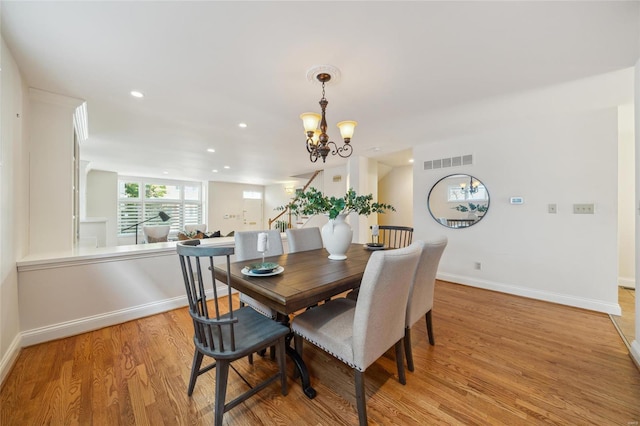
x=432 y=341
x=272 y=353
x=250 y=357
x=360 y=398
x=408 y=351
x=400 y=362
x=282 y=364
x=195 y=368
x=222 y=374
x=297 y=344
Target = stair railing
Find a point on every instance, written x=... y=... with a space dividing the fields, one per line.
x=287 y=210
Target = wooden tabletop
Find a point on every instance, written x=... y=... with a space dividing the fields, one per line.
x=309 y=277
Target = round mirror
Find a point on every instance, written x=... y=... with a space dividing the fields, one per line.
x=458 y=201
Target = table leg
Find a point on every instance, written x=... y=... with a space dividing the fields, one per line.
x=300 y=366
x=302 y=369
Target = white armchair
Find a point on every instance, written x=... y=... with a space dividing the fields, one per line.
x=156 y=234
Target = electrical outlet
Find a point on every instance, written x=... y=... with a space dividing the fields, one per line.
x=553 y=209
x=477 y=265
x=583 y=209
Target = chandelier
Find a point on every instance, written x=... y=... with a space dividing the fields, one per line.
x=315 y=127
x=473 y=186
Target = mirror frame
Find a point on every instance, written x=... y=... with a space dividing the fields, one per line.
x=471 y=177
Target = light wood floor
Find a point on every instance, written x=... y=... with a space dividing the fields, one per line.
x=498 y=359
x=626 y=323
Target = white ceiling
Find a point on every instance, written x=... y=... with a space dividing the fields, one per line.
x=204 y=67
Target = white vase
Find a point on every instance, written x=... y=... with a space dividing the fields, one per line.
x=336 y=236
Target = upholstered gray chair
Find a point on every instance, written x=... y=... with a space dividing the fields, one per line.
x=393 y=237
x=303 y=239
x=224 y=335
x=358 y=333
x=421 y=293
x=246 y=243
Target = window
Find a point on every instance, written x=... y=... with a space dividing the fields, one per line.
x=182 y=201
x=457 y=193
x=252 y=195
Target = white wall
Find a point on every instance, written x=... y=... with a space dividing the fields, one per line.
x=13 y=196
x=626 y=197
x=102 y=201
x=226 y=204
x=396 y=188
x=334 y=181
x=635 y=345
x=561 y=159
x=51 y=171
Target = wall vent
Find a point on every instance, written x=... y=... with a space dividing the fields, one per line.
x=440 y=163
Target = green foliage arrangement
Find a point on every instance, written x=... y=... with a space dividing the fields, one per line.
x=480 y=208
x=315 y=202
x=151 y=191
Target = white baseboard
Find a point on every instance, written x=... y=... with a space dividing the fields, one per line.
x=10 y=357
x=82 y=325
x=563 y=299
x=94 y=322
x=635 y=352
x=627 y=282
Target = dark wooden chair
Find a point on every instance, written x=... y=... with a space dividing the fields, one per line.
x=224 y=335
x=395 y=236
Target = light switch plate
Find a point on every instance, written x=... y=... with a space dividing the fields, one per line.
x=583 y=209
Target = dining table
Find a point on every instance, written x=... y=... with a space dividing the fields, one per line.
x=304 y=279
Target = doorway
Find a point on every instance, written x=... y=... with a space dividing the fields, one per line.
x=252 y=217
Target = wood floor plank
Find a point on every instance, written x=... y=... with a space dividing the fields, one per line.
x=498 y=360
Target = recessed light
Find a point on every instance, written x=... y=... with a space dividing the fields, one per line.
x=165 y=172
x=137 y=94
x=215 y=170
x=211 y=150
x=411 y=160
x=243 y=125
x=227 y=167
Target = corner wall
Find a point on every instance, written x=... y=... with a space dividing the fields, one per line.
x=102 y=201
x=14 y=177
x=559 y=159
x=635 y=345
x=395 y=188
x=51 y=169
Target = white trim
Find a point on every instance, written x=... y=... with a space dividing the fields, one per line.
x=563 y=299
x=95 y=322
x=10 y=357
x=90 y=260
x=634 y=352
x=87 y=256
x=628 y=282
